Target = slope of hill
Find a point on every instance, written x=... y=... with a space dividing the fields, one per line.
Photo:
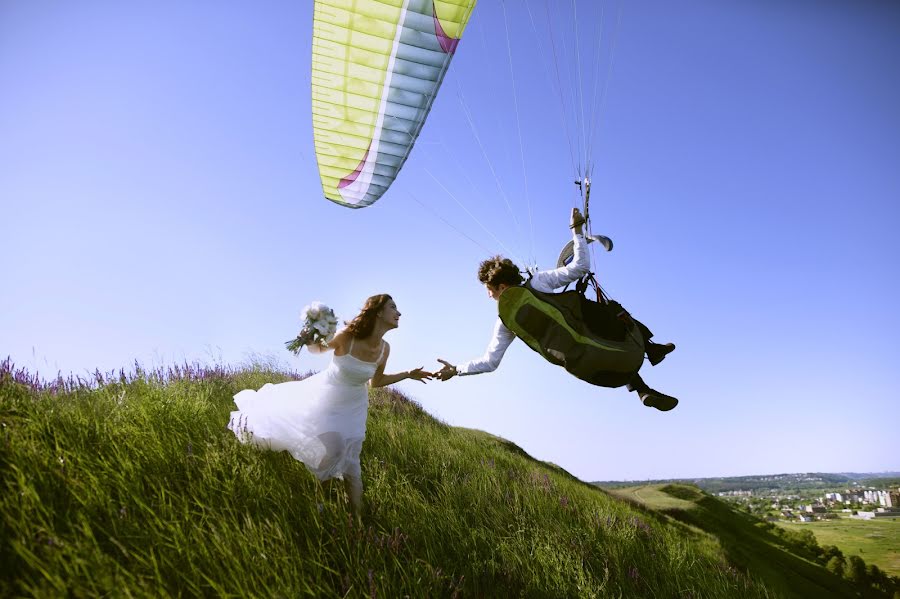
x=130 y=485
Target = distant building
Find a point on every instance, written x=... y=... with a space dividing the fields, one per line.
x=804 y=518
x=878 y=497
x=880 y=513
x=738 y=493
x=816 y=509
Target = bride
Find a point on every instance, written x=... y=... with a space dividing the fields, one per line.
x=321 y=420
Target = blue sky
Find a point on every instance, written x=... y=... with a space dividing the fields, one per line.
x=161 y=203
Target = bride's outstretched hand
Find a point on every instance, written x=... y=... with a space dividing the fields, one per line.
x=420 y=375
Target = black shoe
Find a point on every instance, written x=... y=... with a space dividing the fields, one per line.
x=657 y=352
x=660 y=401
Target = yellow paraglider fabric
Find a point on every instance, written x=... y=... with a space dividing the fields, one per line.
x=376 y=68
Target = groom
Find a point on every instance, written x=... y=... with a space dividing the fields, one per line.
x=498 y=273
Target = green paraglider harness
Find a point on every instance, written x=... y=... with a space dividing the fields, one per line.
x=594 y=340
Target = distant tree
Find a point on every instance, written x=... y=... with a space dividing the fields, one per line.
x=836 y=565
x=876 y=577
x=830 y=551
x=856 y=569
x=891 y=583
x=807 y=542
x=808 y=538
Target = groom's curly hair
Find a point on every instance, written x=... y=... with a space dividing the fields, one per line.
x=364 y=323
x=499 y=270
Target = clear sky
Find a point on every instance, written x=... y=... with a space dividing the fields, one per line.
x=161 y=203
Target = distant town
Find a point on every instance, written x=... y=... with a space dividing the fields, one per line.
x=864 y=504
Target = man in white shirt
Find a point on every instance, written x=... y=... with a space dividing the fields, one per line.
x=498 y=273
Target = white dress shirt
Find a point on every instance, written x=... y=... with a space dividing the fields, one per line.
x=541 y=281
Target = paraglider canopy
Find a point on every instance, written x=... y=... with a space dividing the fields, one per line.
x=376 y=68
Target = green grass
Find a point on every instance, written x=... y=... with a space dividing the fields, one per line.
x=876 y=541
x=132 y=486
x=653 y=497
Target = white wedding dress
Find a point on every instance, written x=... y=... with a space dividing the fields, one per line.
x=320 y=420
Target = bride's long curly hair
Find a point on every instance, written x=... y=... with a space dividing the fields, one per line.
x=364 y=323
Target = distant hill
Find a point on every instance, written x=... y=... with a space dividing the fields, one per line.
x=784 y=482
x=129 y=485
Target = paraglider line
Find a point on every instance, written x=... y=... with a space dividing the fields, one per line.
x=559 y=89
x=596 y=79
x=490 y=164
x=460 y=204
x=519 y=129
x=604 y=93
x=550 y=80
x=580 y=90
x=446 y=222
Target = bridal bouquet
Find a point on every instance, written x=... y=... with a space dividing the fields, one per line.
x=319 y=327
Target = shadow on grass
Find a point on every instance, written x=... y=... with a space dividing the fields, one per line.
x=758 y=551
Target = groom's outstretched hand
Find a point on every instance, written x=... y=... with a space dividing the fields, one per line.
x=447 y=372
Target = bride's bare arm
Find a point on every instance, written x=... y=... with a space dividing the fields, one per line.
x=380 y=379
x=338 y=343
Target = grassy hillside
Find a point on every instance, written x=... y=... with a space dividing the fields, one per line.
x=130 y=485
x=788 y=563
